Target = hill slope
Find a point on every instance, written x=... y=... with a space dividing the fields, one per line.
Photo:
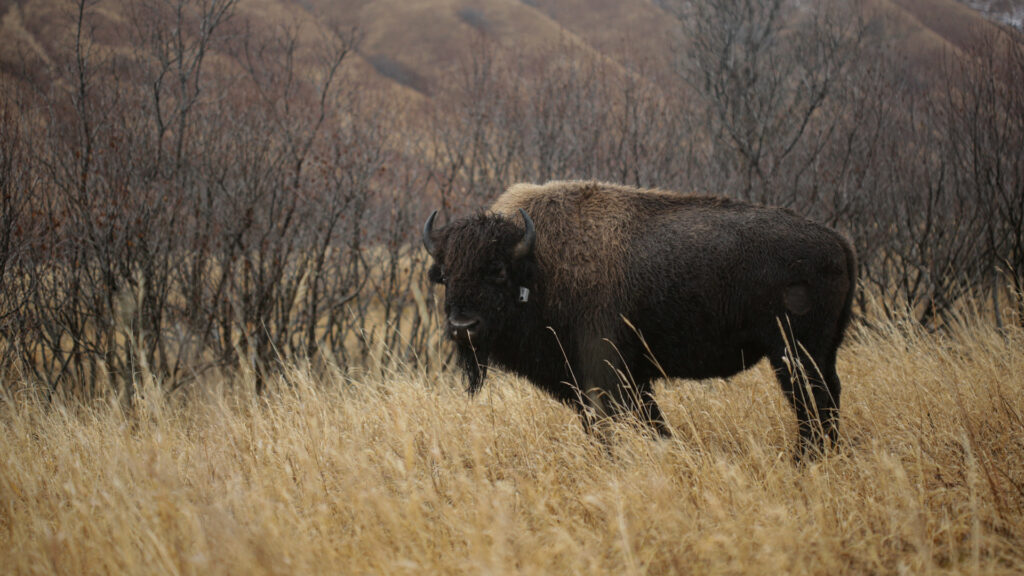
x=410 y=44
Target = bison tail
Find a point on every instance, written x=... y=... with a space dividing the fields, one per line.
x=851 y=273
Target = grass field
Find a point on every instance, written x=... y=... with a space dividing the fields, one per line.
x=401 y=473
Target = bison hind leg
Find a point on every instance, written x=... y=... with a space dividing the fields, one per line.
x=812 y=387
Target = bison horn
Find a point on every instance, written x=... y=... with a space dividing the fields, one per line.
x=525 y=245
x=427 y=242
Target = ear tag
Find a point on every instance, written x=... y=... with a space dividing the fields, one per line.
x=524 y=294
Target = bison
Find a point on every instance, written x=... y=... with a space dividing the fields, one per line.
x=604 y=288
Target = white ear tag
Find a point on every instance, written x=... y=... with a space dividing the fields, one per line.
x=524 y=294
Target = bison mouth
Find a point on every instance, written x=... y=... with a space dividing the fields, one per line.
x=473 y=361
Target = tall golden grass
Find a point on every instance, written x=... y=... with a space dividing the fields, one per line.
x=398 y=472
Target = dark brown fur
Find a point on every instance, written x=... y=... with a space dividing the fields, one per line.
x=712 y=286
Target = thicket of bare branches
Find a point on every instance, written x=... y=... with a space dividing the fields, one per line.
x=808 y=105
x=226 y=196
x=219 y=198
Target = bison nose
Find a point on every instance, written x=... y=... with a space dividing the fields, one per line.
x=463 y=327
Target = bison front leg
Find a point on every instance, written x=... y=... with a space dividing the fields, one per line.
x=651 y=415
x=594 y=408
x=586 y=414
x=615 y=394
x=590 y=410
x=592 y=403
x=596 y=405
x=637 y=399
x=605 y=388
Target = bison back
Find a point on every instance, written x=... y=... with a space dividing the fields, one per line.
x=713 y=271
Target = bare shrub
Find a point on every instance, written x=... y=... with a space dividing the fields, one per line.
x=225 y=196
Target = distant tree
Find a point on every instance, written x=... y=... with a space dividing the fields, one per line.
x=763 y=72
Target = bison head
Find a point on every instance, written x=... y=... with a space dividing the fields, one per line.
x=486 y=264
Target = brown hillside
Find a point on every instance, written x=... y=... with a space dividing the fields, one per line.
x=954 y=22
x=408 y=45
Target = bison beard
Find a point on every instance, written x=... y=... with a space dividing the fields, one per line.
x=473 y=362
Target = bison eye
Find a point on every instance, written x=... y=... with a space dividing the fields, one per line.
x=497 y=275
x=436 y=274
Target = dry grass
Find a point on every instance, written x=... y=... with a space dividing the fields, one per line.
x=402 y=473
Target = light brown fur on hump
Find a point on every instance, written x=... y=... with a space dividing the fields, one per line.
x=582 y=238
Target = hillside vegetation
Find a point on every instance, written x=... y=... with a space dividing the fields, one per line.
x=398 y=472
